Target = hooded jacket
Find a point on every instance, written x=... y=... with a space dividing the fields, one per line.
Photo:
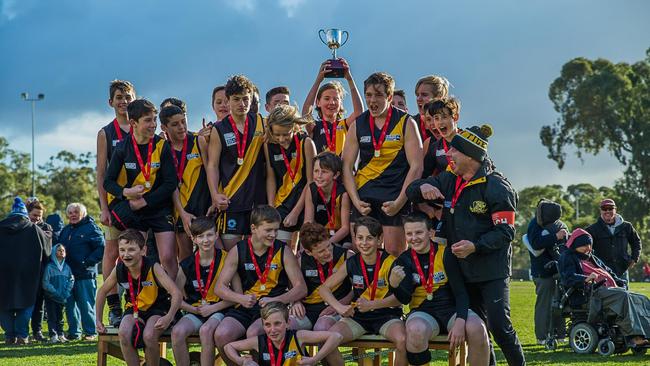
x=611 y=247
x=57 y=279
x=24 y=246
x=484 y=214
x=56 y=222
x=84 y=243
x=541 y=232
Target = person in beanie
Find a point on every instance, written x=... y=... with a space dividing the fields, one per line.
x=578 y=267
x=25 y=246
x=546 y=232
x=612 y=236
x=478 y=221
x=57 y=285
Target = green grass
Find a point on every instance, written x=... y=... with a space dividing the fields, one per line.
x=522 y=301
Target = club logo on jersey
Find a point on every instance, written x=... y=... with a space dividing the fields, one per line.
x=130 y=166
x=146 y=283
x=381 y=282
x=393 y=137
x=115 y=142
x=357 y=281
x=266 y=356
x=278 y=157
x=251 y=266
x=321 y=208
x=230 y=138
x=192 y=156
x=364 y=139
x=232 y=223
x=439 y=277
x=290 y=354
x=155 y=164
x=441 y=152
x=258 y=133
x=311 y=273
x=478 y=207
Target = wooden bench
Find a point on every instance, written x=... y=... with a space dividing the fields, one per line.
x=109 y=344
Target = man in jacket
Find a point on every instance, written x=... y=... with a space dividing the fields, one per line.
x=612 y=235
x=478 y=220
x=24 y=246
x=84 y=243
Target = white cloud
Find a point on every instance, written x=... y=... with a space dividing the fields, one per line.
x=242 y=5
x=290 y=6
x=245 y=6
x=8 y=10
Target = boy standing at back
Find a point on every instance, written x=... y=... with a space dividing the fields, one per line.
x=121 y=93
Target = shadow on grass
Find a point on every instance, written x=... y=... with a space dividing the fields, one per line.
x=45 y=349
x=537 y=355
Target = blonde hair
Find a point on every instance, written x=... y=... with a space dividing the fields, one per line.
x=332 y=85
x=77 y=205
x=285 y=116
x=274 y=307
x=439 y=84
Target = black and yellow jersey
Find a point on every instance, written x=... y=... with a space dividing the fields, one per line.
x=380 y=179
x=124 y=171
x=242 y=184
x=277 y=282
x=361 y=290
x=310 y=273
x=113 y=137
x=425 y=133
x=192 y=294
x=146 y=289
x=288 y=190
x=322 y=209
x=435 y=159
x=291 y=353
x=320 y=139
x=193 y=187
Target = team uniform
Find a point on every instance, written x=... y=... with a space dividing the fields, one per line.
x=288 y=356
x=193 y=187
x=380 y=178
x=436 y=160
x=193 y=289
x=315 y=274
x=442 y=296
x=329 y=137
x=425 y=133
x=324 y=213
x=125 y=170
x=152 y=298
x=289 y=182
x=376 y=321
x=274 y=284
x=244 y=183
x=113 y=134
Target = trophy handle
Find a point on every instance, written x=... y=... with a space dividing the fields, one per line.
x=321 y=33
x=347 y=35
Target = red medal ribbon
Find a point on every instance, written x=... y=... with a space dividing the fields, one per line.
x=423 y=128
x=287 y=162
x=460 y=185
x=239 y=141
x=269 y=345
x=134 y=300
x=373 y=288
x=203 y=290
x=118 y=129
x=269 y=258
x=331 y=213
x=446 y=148
x=180 y=168
x=427 y=283
x=331 y=141
x=146 y=173
x=382 y=136
x=321 y=272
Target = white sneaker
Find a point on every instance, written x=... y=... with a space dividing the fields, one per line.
x=541 y=342
x=62 y=339
x=54 y=339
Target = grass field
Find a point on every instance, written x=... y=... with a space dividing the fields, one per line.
x=522 y=300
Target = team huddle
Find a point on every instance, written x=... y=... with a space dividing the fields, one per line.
x=309 y=227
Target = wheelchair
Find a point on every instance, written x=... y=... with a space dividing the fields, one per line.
x=587 y=332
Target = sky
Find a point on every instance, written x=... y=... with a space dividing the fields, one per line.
x=500 y=57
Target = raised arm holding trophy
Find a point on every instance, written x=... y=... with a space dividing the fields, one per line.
x=332 y=40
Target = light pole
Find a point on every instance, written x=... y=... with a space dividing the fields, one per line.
x=26 y=98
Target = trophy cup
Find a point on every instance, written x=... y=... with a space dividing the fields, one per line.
x=333 y=41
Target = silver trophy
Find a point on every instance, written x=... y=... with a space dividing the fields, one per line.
x=332 y=39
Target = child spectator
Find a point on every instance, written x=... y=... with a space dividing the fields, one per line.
x=57 y=284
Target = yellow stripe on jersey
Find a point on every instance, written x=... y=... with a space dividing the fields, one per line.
x=439 y=279
x=273 y=276
x=382 y=280
x=148 y=292
x=251 y=154
x=193 y=166
x=287 y=183
x=389 y=150
x=314 y=297
x=121 y=180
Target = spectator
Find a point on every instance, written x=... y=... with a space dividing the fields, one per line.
x=612 y=235
x=646 y=272
x=35 y=211
x=56 y=222
x=84 y=242
x=23 y=245
x=546 y=232
x=57 y=285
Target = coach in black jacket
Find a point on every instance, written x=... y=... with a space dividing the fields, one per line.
x=478 y=221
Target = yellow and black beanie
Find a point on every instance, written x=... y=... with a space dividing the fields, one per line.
x=473 y=141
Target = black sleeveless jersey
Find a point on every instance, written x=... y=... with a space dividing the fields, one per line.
x=277 y=281
x=380 y=179
x=288 y=191
x=435 y=159
x=193 y=296
x=310 y=273
x=193 y=187
x=322 y=208
x=425 y=133
x=146 y=289
x=318 y=135
x=292 y=351
x=243 y=184
x=112 y=138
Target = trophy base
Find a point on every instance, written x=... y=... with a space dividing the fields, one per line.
x=336 y=69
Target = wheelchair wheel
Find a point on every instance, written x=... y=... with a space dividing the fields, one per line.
x=606 y=347
x=583 y=338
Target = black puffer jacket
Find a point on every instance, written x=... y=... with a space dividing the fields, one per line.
x=484 y=214
x=612 y=248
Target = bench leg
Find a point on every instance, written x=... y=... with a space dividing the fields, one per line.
x=463 y=354
x=101 y=353
x=376 y=361
x=391 y=359
x=163 y=349
x=452 y=357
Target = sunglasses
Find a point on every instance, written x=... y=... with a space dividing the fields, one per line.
x=610 y=208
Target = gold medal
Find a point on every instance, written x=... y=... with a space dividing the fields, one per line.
x=147 y=185
x=240 y=161
x=262 y=287
x=135 y=315
x=429 y=297
x=377 y=153
x=204 y=302
x=451 y=210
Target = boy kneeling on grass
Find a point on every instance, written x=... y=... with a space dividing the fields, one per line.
x=146 y=290
x=281 y=346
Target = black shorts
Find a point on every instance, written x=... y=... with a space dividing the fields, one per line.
x=373 y=326
x=377 y=213
x=312 y=312
x=441 y=313
x=244 y=316
x=283 y=213
x=234 y=223
x=146 y=314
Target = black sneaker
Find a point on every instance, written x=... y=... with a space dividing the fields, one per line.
x=115 y=317
x=38 y=337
